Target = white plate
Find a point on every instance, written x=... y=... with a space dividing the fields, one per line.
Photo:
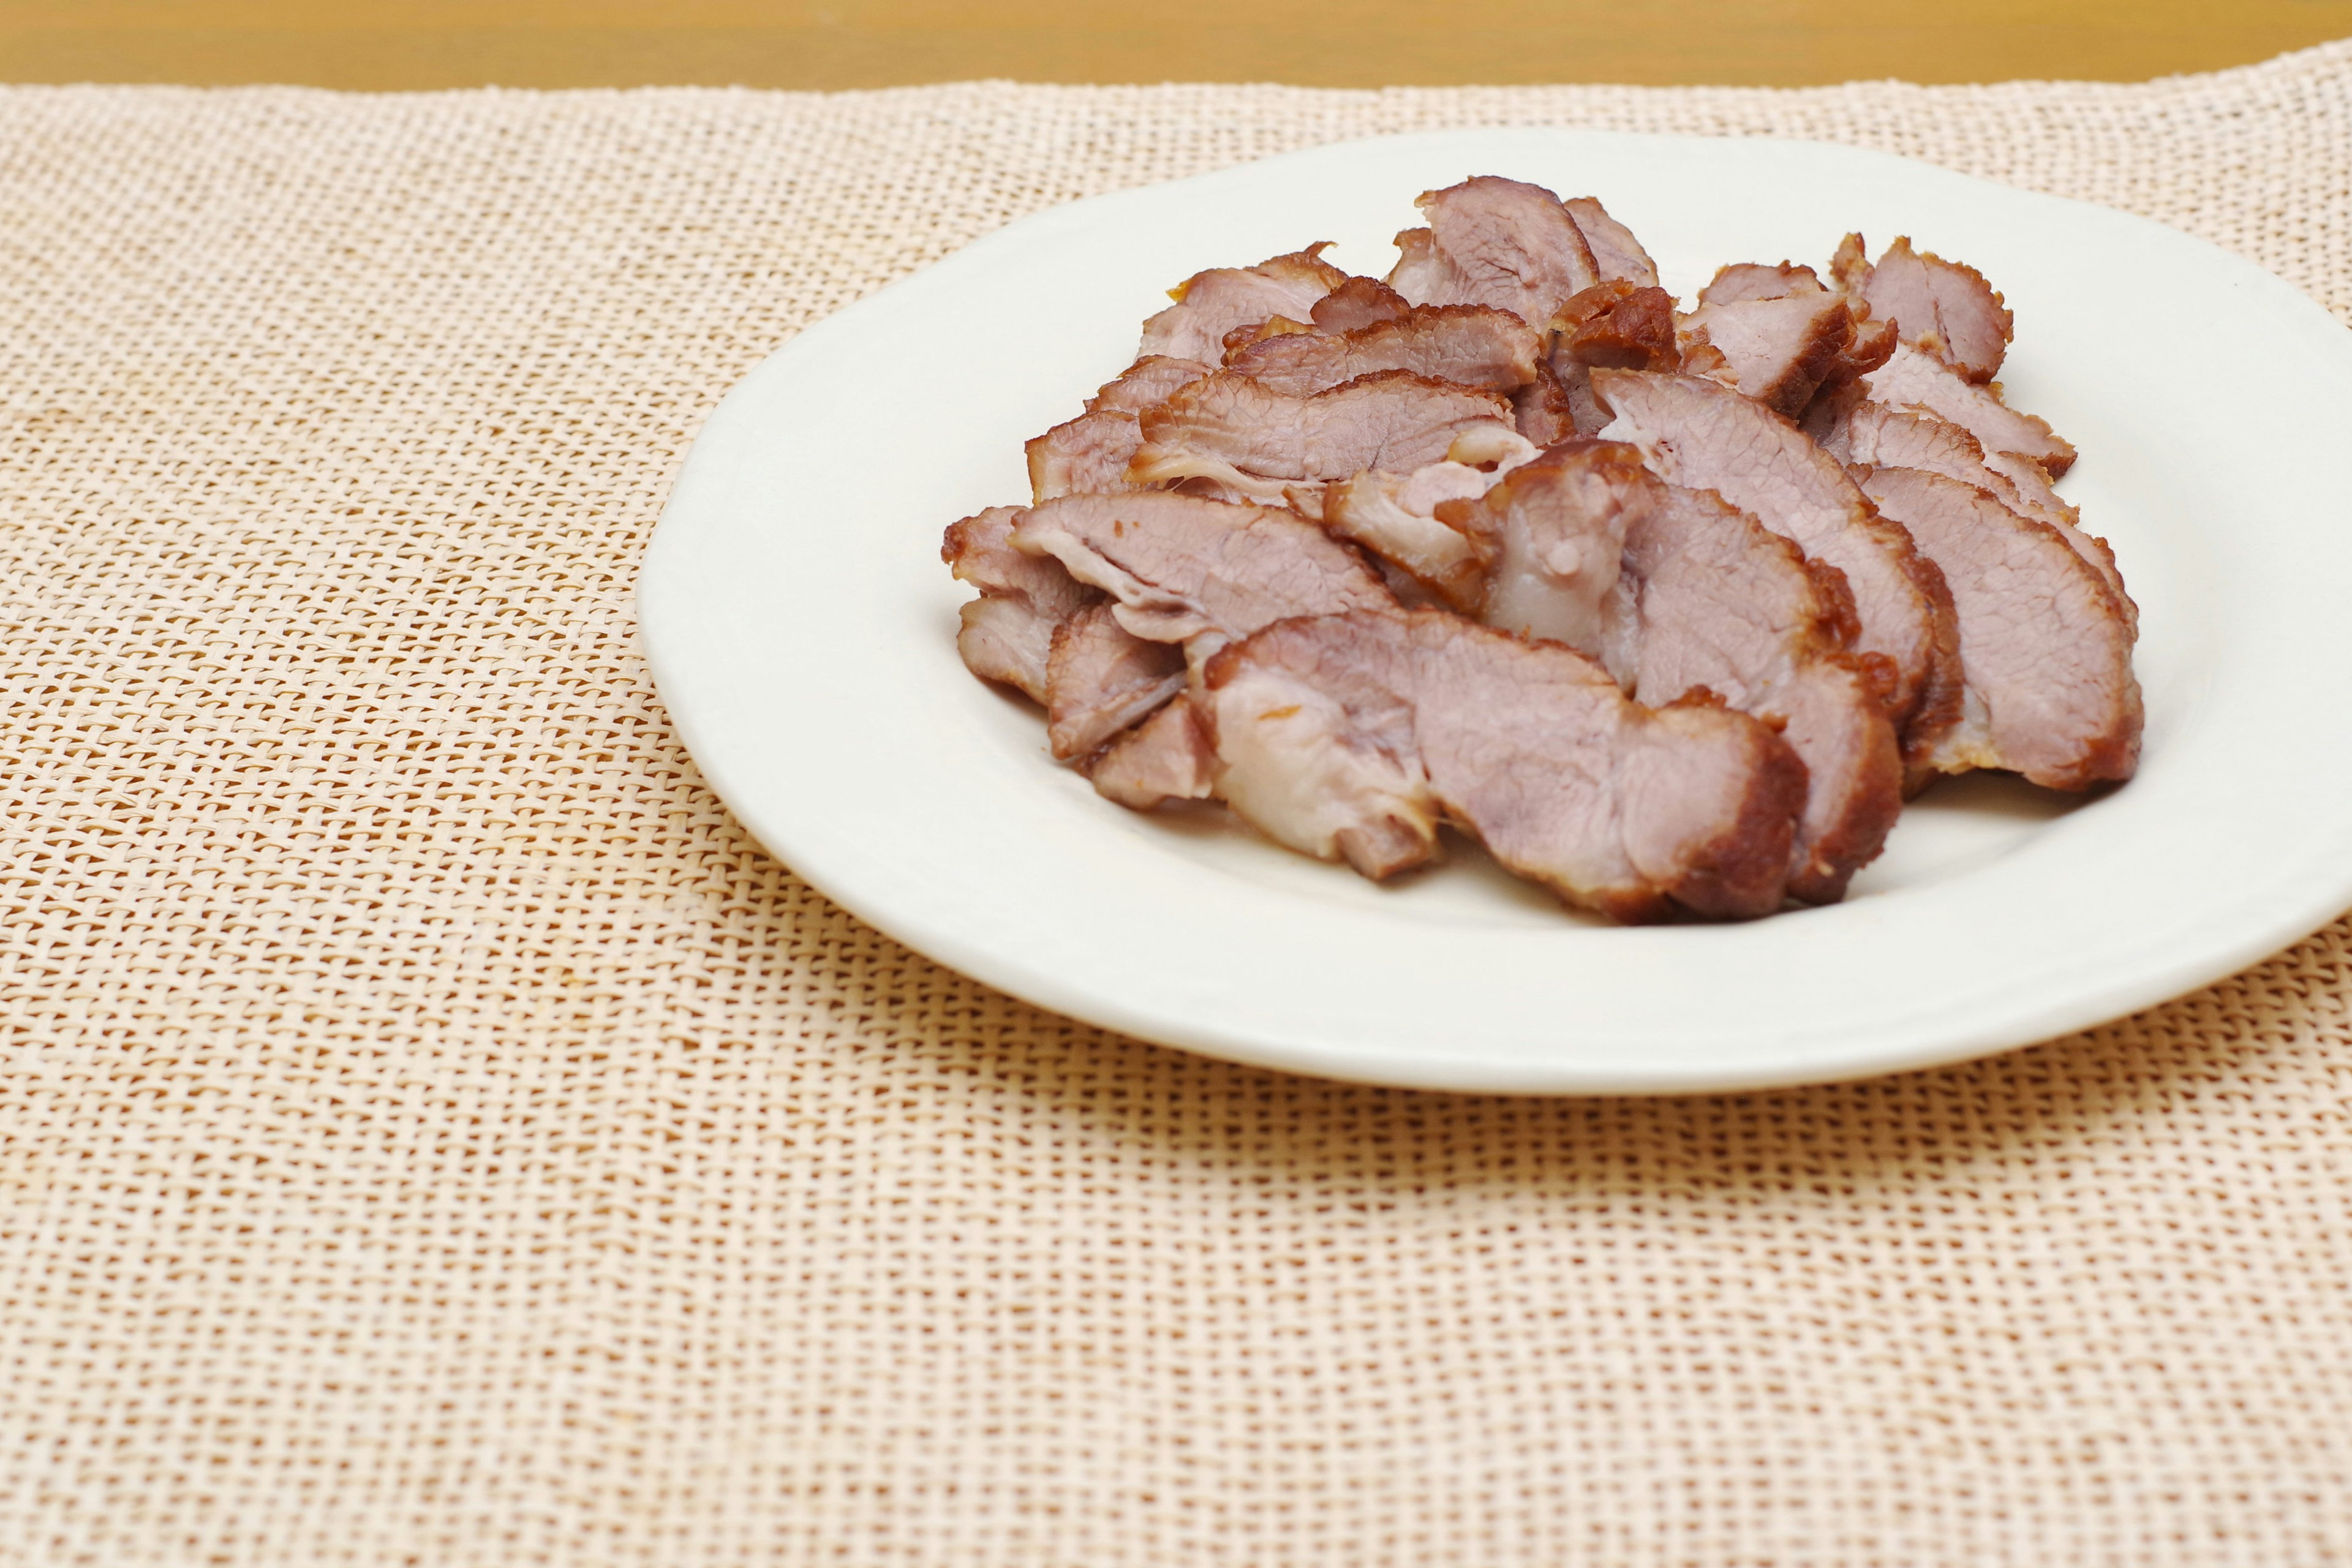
x=800 y=629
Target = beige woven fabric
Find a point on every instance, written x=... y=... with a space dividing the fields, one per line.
x=431 y=1132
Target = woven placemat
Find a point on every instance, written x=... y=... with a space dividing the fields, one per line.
x=432 y=1133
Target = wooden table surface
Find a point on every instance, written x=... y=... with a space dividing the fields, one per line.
x=401 y=44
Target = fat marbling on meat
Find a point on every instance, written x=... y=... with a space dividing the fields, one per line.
x=1394 y=514
x=1184 y=576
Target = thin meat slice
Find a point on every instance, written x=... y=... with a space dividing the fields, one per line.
x=1752 y=280
x=1247 y=441
x=1241 y=338
x=1776 y=351
x=1396 y=515
x=1938 y=307
x=1211 y=304
x=1618 y=255
x=1469 y=345
x=1780 y=339
x=1007 y=634
x=2045 y=643
x=1721 y=602
x=1673 y=589
x=1085 y=455
x=1100 y=678
x=1359 y=302
x=1353 y=736
x=1183 y=569
x=1167 y=757
x=1873 y=344
x=2030 y=483
x=1873 y=435
x=1910 y=378
x=1149 y=380
x=1543 y=410
x=1876 y=436
x=1611 y=326
x=1089 y=455
x=1495 y=242
x=1617 y=326
x=1702 y=436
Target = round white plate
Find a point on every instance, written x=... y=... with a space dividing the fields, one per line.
x=800 y=629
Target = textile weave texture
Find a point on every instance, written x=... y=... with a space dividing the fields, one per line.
x=432 y=1133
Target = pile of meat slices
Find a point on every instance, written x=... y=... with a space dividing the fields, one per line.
x=1670 y=609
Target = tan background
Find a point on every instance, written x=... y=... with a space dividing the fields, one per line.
x=407 y=44
x=433 y=1133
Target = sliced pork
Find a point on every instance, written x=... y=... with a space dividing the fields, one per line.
x=1940 y=308
x=1084 y=456
x=2030 y=483
x=1751 y=281
x=1611 y=326
x=1149 y=380
x=2045 y=646
x=1469 y=345
x=1702 y=435
x=1723 y=603
x=1007 y=634
x=1247 y=441
x=1674 y=589
x=1873 y=435
x=1350 y=737
x=1668 y=610
x=1543 y=410
x=1213 y=303
x=1182 y=568
x=1100 y=678
x=1618 y=326
x=1495 y=242
x=1549 y=539
x=1776 y=351
x=1396 y=515
x=1167 y=757
x=1913 y=379
x=1616 y=254
x=1357 y=303
x=1091 y=454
